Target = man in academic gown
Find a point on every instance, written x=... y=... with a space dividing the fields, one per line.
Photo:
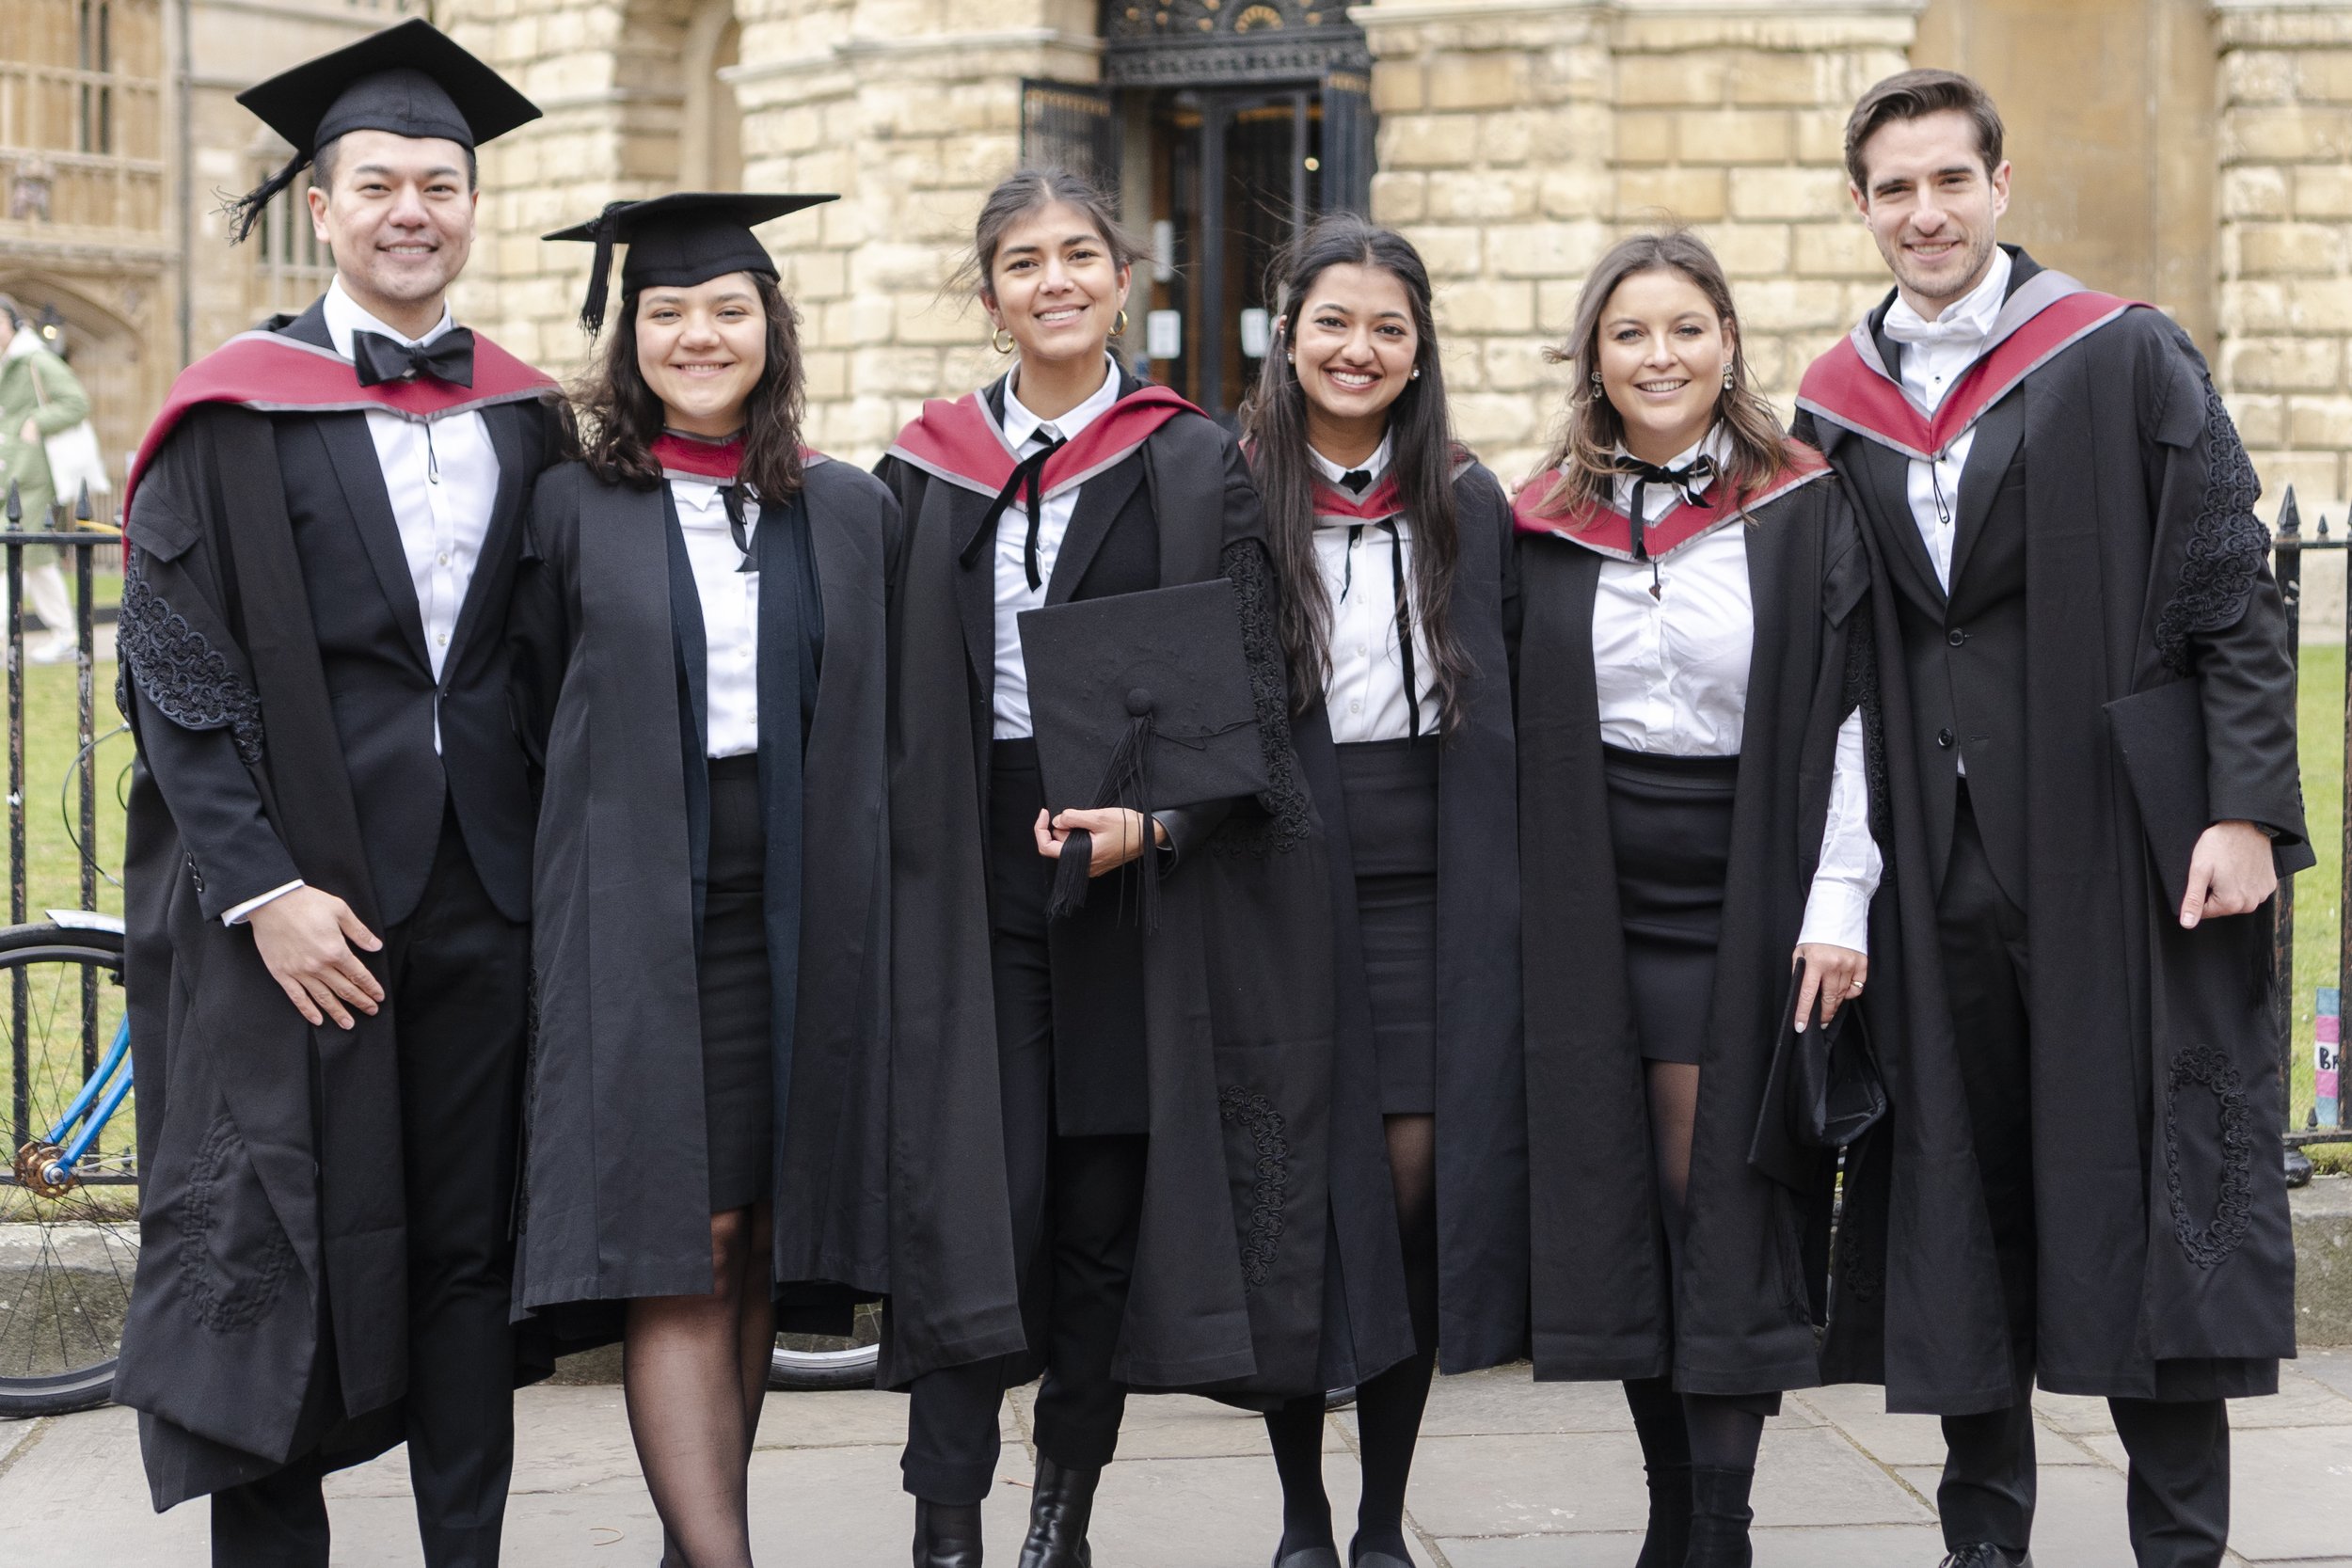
x=328 y=871
x=2092 y=768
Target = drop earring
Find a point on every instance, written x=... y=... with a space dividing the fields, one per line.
x=1597 y=386
x=1727 y=375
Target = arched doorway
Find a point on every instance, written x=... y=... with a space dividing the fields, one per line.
x=103 y=349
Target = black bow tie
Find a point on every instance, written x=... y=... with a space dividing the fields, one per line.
x=1685 y=482
x=448 y=357
x=1357 y=479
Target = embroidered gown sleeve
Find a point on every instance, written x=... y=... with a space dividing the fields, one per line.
x=197 y=717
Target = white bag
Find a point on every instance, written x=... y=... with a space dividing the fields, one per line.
x=74 y=460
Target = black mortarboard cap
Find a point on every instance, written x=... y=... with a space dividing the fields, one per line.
x=1143 y=701
x=678 y=239
x=412 y=80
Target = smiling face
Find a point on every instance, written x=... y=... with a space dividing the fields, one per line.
x=1932 y=205
x=399 y=215
x=1053 y=285
x=1662 y=350
x=1354 y=344
x=702 y=350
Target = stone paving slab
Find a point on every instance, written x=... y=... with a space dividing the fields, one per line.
x=1513 y=1474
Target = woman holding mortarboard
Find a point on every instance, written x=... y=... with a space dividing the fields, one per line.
x=699 y=664
x=1693 y=809
x=1110 y=1134
x=1392 y=541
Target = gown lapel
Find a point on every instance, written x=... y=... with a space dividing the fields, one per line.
x=1998 y=435
x=352 y=452
x=1100 y=502
x=508 y=426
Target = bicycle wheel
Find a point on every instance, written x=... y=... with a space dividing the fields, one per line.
x=69 y=1229
x=813 y=1362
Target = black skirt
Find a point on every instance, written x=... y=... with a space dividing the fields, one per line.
x=1670 y=827
x=1391 y=792
x=739 y=1053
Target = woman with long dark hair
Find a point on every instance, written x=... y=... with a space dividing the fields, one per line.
x=699 y=663
x=1391 y=542
x=1690 y=648
x=1112 y=1103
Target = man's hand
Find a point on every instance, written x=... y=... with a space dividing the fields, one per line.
x=306 y=938
x=1118 y=835
x=2229 y=872
x=1833 y=975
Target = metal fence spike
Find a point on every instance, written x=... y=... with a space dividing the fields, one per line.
x=2290 y=520
x=16 y=506
x=81 y=504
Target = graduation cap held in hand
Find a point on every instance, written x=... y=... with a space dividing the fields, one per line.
x=1142 y=701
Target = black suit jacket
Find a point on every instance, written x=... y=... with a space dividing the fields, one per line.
x=371 y=639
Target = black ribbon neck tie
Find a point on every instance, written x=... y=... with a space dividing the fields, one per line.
x=1686 y=482
x=1027 y=485
x=731 y=497
x=448 y=357
x=1357 y=479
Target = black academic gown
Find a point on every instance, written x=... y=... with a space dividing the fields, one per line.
x=1236 y=1004
x=269 y=1152
x=609 y=674
x=2106 y=546
x=1741 y=1316
x=1481 y=1104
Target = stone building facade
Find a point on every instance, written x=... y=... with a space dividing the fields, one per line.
x=120 y=135
x=2188 y=152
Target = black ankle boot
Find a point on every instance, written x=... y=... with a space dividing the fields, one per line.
x=1059 y=1511
x=1719 y=1517
x=1668 y=1541
x=946 y=1535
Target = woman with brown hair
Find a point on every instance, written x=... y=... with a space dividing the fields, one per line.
x=1110 y=1103
x=1691 y=654
x=1391 y=542
x=699 y=662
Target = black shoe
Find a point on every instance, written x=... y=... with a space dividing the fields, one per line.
x=1984 y=1554
x=1059 y=1511
x=946 y=1535
x=1720 y=1516
x=1667 y=1541
x=1309 y=1557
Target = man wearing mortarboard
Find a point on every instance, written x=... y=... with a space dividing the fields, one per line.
x=328 y=860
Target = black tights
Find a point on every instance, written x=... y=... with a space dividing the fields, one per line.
x=1388 y=1406
x=695 y=1373
x=1711 y=1431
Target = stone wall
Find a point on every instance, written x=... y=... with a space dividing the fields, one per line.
x=1518 y=141
x=2285 y=152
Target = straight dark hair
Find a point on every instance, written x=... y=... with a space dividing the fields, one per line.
x=1027 y=190
x=1422 y=456
x=1584 y=459
x=616 y=418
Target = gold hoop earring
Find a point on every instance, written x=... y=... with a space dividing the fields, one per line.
x=1118 y=327
x=1002 y=341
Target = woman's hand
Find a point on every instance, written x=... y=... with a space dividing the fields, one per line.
x=1118 y=835
x=1834 y=975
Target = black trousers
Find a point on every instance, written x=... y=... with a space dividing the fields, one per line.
x=2178 y=1500
x=456 y=973
x=1077 y=1203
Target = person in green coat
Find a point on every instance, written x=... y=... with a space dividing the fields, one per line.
x=39 y=396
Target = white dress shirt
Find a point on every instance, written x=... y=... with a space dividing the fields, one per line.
x=1014 y=594
x=1935 y=354
x=442 y=477
x=1364 y=694
x=1672 y=676
x=730 y=604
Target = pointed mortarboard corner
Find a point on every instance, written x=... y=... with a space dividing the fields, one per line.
x=678 y=239
x=412 y=80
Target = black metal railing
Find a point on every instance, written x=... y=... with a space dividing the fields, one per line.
x=70 y=530
x=2289 y=545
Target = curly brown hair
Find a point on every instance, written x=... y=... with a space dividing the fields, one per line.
x=1585 y=457
x=615 y=417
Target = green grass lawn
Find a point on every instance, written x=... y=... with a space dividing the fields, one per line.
x=51 y=809
x=2319 y=892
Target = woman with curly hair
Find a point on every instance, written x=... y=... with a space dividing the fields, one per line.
x=698 y=644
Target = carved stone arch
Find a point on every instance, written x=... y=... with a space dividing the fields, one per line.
x=102 y=338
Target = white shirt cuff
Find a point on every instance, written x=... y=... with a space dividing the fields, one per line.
x=1839 y=913
x=238 y=914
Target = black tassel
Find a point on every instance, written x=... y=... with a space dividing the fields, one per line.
x=1072 y=876
x=600 y=270
x=245 y=211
